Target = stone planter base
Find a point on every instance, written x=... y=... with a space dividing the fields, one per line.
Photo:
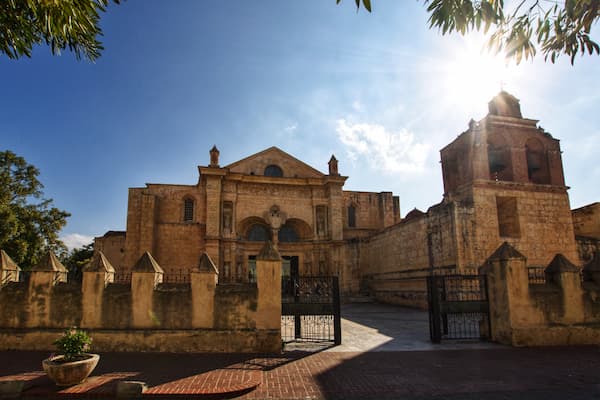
x=70 y=373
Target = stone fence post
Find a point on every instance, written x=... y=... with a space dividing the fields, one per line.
x=203 y=282
x=145 y=276
x=97 y=274
x=508 y=286
x=47 y=273
x=9 y=270
x=567 y=276
x=268 y=281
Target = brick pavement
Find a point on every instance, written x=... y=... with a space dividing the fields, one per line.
x=503 y=373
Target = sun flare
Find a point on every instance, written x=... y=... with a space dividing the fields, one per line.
x=470 y=76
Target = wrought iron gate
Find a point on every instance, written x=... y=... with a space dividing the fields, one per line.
x=458 y=307
x=310 y=309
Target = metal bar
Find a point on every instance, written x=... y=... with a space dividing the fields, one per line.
x=434 y=305
x=337 y=315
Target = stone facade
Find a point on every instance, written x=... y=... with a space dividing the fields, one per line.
x=503 y=181
x=233 y=209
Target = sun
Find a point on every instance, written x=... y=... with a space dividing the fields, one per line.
x=471 y=76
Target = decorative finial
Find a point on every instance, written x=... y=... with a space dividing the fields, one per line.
x=214 y=157
x=333 y=166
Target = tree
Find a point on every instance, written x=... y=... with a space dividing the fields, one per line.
x=556 y=27
x=77 y=259
x=29 y=225
x=60 y=24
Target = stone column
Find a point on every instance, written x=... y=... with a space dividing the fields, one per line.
x=567 y=276
x=203 y=284
x=96 y=276
x=268 y=281
x=508 y=292
x=145 y=276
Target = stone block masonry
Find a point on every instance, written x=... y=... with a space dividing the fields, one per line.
x=145 y=314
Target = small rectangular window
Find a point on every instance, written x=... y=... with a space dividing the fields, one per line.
x=508 y=217
x=188 y=210
x=351 y=217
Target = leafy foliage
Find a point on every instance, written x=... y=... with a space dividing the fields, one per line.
x=60 y=24
x=28 y=229
x=556 y=28
x=76 y=261
x=366 y=4
x=73 y=343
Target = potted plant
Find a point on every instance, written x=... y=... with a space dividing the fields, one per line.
x=73 y=365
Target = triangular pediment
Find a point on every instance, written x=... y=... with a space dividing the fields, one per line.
x=290 y=166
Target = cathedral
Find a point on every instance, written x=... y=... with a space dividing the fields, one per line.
x=503 y=182
x=234 y=209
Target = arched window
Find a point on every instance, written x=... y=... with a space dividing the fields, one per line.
x=537 y=163
x=499 y=159
x=287 y=234
x=351 y=216
x=258 y=233
x=273 y=170
x=188 y=210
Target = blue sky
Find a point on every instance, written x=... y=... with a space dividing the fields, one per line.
x=380 y=91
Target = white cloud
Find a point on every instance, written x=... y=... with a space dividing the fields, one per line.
x=76 y=240
x=384 y=150
x=291 y=128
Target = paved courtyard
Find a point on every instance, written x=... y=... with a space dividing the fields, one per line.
x=386 y=354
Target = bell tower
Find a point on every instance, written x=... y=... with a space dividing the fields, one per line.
x=509 y=170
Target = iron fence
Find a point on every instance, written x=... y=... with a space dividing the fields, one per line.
x=313 y=328
x=177 y=276
x=458 y=307
x=310 y=308
x=312 y=289
x=536 y=275
x=122 y=278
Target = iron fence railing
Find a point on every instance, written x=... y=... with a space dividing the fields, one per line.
x=122 y=277
x=177 y=276
x=313 y=289
x=536 y=275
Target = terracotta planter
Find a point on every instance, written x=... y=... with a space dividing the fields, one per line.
x=70 y=373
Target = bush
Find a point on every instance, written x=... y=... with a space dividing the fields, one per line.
x=73 y=344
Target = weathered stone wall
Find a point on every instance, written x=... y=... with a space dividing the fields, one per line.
x=373 y=211
x=562 y=311
x=27 y=304
x=394 y=262
x=243 y=316
x=112 y=245
x=256 y=199
x=586 y=220
x=587 y=247
x=155 y=224
x=545 y=227
x=179 y=246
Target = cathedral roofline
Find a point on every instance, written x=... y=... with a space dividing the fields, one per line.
x=277 y=149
